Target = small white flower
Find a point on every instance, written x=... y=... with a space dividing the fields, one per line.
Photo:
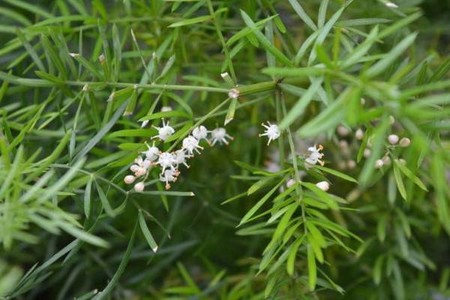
x=323 y=185
x=233 y=93
x=272 y=132
x=219 y=135
x=169 y=176
x=180 y=158
x=393 y=139
x=129 y=179
x=164 y=132
x=167 y=161
x=405 y=142
x=315 y=156
x=190 y=144
x=139 y=187
x=152 y=153
x=200 y=132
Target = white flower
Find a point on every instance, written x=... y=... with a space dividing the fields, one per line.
x=129 y=179
x=167 y=161
x=180 y=158
x=200 y=132
x=164 y=132
x=139 y=187
x=323 y=185
x=272 y=132
x=219 y=135
x=190 y=144
x=233 y=93
x=315 y=156
x=169 y=176
x=152 y=153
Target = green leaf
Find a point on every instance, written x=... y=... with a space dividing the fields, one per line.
x=300 y=106
x=290 y=264
x=407 y=172
x=146 y=232
x=336 y=173
x=389 y=58
x=260 y=203
x=96 y=139
x=312 y=269
x=230 y=112
x=399 y=181
x=115 y=279
x=87 y=198
x=302 y=14
x=185 y=22
x=264 y=42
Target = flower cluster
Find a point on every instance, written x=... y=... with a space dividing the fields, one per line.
x=169 y=162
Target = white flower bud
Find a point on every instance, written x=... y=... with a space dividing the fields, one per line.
x=405 y=142
x=139 y=187
x=166 y=108
x=342 y=130
x=391 y=119
x=367 y=152
x=387 y=160
x=359 y=134
x=323 y=185
x=393 y=139
x=402 y=161
x=290 y=182
x=233 y=93
x=379 y=164
x=129 y=179
x=342 y=165
x=351 y=164
x=391 y=4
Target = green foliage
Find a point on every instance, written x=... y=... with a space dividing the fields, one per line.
x=349 y=200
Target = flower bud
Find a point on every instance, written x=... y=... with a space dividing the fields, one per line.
x=367 y=152
x=393 y=139
x=139 y=187
x=387 y=160
x=359 y=134
x=405 y=142
x=323 y=185
x=351 y=164
x=342 y=130
x=129 y=179
x=379 y=164
x=290 y=182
